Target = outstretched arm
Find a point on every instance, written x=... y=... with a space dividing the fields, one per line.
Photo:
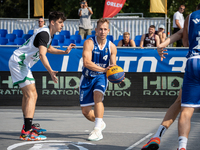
x=173 y=38
x=53 y=50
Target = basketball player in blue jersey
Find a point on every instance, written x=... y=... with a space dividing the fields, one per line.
x=173 y=111
x=191 y=82
x=23 y=59
x=99 y=54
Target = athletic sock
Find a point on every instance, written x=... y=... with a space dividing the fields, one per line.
x=160 y=132
x=98 y=122
x=182 y=142
x=28 y=123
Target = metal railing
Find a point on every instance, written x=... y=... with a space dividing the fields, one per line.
x=135 y=26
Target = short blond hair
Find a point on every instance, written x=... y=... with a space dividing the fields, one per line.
x=102 y=20
x=126 y=33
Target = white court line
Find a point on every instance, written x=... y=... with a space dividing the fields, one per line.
x=140 y=141
x=50 y=141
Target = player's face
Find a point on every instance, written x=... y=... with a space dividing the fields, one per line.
x=126 y=38
x=58 y=25
x=151 y=30
x=102 y=30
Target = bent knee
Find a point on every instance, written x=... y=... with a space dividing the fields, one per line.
x=85 y=112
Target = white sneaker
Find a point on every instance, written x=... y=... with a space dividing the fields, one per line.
x=95 y=135
x=103 y=125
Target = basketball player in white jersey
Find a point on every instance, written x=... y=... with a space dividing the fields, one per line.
x=23 y=59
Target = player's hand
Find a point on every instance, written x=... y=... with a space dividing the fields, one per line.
x=53 y=76
x=109 y=67
x=161 y=52
x=123 y=79
x=69 y=48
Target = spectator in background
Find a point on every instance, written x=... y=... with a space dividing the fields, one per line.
x=161 y=33
x=126 y=41
x=40 y=25
x=150 y=39
x=178 y=22
x=85 y=14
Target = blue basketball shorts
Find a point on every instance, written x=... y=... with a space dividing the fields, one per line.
x=191 y=83
x=88 y=86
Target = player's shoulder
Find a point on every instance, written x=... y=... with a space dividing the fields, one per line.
x=89 y=43
x=112 y=45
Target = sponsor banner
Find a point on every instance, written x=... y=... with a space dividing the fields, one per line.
x=137 y=90
x=112 y=7
x=131 y=60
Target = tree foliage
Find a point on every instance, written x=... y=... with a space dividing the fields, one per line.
x=19 y=8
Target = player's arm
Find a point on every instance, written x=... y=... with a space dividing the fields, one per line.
x=157 y=40
x=87 y=57
x=45 y=62
x=54 y=50
x=120 y=43
x=173 y=38
x=132 y=43
x=41 y=41
x=113 y=54
x=142 y=41
x=185 y=33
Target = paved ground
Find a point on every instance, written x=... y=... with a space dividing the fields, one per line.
x=127 y=129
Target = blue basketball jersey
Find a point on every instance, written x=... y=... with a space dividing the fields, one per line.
x=194 y=33
x=100 y=57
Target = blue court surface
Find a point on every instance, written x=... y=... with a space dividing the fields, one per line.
x=67 y=129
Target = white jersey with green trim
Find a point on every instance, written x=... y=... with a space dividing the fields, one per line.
x=28 y=54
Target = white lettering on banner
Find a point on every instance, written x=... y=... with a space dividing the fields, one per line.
x=114 y=4
x=127 y=62
x=140 y=65
x=153 y=63
x=65 y=63
x=174 y=59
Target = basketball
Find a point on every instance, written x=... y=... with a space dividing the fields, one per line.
x=115 y=74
